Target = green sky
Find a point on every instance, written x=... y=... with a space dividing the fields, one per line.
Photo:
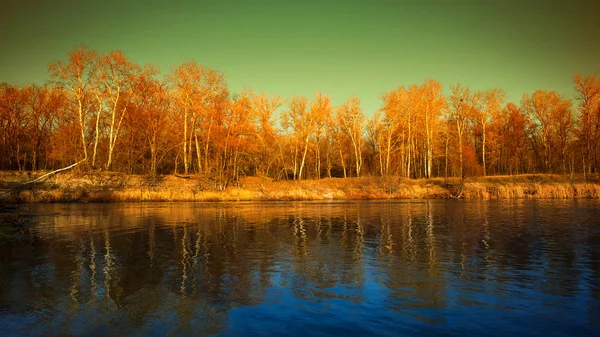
x=301 y=47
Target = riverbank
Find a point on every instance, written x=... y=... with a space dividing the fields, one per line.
x=118 y=187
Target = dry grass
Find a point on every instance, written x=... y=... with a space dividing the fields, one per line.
x=117 y=187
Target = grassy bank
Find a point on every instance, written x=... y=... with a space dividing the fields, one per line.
x=117 y=187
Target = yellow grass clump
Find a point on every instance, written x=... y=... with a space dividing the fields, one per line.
x=118 y=187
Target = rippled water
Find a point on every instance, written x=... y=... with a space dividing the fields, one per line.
x=447 y=268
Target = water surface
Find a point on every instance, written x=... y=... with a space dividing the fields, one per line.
x=448 y=268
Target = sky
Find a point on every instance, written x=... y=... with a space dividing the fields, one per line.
x=338 y=47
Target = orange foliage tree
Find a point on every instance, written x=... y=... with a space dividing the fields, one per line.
x=588 y=94
x=130 y=118
x=552 y=122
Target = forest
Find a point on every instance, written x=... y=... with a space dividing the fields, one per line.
x=111 y=114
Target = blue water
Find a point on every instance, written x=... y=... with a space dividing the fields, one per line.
x=437 y=268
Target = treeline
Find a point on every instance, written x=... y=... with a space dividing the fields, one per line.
x=121 y=116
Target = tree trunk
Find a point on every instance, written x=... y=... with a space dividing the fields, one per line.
x=428 y=144
x=343 y=162
x=97 y=131
x=446 y=156
x=185 y=122
x=329 y=162
x=206 y=148
x=303 y=158
x=198 y=156
x=318 y=160
x=483 y=149
x=82 y=129
x=409 y=148
x=387 y=156
x=460 y=151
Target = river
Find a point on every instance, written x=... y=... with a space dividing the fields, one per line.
x=365 y=268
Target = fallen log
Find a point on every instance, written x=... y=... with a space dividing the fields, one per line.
x=43 y=177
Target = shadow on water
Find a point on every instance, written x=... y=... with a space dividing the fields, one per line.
x=305 y=268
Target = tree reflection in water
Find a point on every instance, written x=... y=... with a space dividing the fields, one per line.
x=355 y=267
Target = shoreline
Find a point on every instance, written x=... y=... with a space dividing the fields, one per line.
x=119 y=187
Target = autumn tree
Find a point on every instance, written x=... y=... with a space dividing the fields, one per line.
x=338 y=149
x=268 y=150
x=117 y=77
x=374 y=130
x=150 y=119
x=511 y=142
x=186 y=86
x=128 y=118
x=44 y=104
x=321 y=112
x=76 y=75
x=298 y=122
x=431 y=102
x=398 y=127
x=200 y=95
x=211 y=113
x=14 y=125
x=351 y=120
x=491 y=102
x=237 y=138
x=552 y=120
x=464 y=104
x=29 y=116
x=588 y=94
